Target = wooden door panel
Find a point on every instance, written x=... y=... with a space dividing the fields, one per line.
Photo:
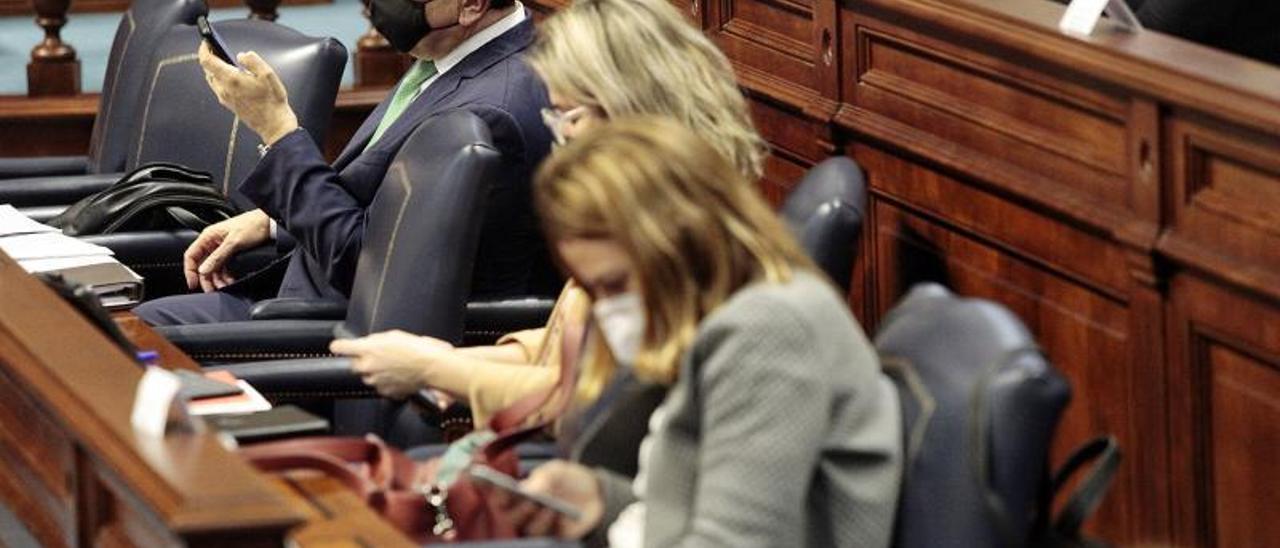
x=1224 y=389
x=771 y=37
x=1224 y=200
x=1245 y=425
x=1084 y=333
x=1056 y=245
x=38 y=466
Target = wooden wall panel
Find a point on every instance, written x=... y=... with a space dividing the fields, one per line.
x=1015 y=127
x=1224 y=199
x=1245 y=424
x=44 y=478
x=1085 y=326
x=1224 y=413
x=769 y=35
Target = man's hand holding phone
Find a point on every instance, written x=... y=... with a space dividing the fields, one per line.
x=253 y=92
x=537 y=506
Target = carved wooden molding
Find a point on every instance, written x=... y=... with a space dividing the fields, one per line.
x=1175 y=71
x=1013 y=181
x=801 y=51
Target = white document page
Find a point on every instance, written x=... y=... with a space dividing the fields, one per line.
x=12 y=222
x=63 y=263
x=48 y=245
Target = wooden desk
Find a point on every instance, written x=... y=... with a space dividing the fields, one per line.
x=72 y=470
x=146 y=338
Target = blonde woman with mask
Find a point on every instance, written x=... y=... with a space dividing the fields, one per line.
x=778 y=428
x=601 y=59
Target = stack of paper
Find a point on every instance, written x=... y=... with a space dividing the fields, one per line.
x=42 y=248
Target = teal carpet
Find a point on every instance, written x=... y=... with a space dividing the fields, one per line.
x=91 y=33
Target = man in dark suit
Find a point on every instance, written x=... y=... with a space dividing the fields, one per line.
x=468 y=57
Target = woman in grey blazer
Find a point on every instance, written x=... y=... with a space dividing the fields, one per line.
x=779 y=429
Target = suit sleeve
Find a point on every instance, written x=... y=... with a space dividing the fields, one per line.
x=296 y=186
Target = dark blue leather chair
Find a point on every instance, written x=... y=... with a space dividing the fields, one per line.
x=179 y=120
x=980 y=405
x=414 y=274
x=142 y=25
x=825 y=212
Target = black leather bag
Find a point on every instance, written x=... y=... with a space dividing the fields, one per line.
x=156 y=196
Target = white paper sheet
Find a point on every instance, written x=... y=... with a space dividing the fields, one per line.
x=63 y=263
x=48 y=245
x=12 y=222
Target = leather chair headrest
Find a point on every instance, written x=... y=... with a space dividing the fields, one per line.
x=182 y=121
x=128 y=64
x=825 y=211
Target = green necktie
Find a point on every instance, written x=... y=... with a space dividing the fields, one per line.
x=420 y=72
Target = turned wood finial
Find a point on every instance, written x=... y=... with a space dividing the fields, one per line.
x=263 y=9
x=54 y=69
x=377 y=63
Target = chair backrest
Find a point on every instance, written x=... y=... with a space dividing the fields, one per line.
x=423 y=231
x=825 y=211
x=980 y=405
x=415 y=268
x=142 y=25
x=182 y=121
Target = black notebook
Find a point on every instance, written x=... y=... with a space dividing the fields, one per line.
x=278 y=422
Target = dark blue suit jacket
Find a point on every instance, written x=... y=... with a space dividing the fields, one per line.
x=323 y=207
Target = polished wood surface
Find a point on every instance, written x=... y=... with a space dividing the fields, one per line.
x=1118 y=192
x=75 y=474
x=146 y=338
x=73 y=469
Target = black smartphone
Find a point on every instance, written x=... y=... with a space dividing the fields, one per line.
x=196 y=386
x=280 y=421
x=215 y=42
x=498 y=480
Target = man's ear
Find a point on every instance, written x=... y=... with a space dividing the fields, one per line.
x=472 y=11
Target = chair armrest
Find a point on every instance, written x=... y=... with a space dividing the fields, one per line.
x=327 y=378
x=299 y=309
x=43 y=191
x=43 y=166
x=489 y=320
x=252 y=340
x=156 y=255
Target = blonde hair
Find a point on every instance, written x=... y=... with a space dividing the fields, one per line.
x=694 y=230
x=633 y=57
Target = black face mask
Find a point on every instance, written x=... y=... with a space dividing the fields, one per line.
x=402 y=22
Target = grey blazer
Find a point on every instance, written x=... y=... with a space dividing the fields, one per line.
x=781 y=431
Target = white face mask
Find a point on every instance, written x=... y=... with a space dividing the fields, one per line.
x=622 y=321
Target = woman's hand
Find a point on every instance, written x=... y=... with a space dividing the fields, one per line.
x=570 y=482
x=394 y=362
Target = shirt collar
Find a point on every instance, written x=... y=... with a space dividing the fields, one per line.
x=478 y=40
